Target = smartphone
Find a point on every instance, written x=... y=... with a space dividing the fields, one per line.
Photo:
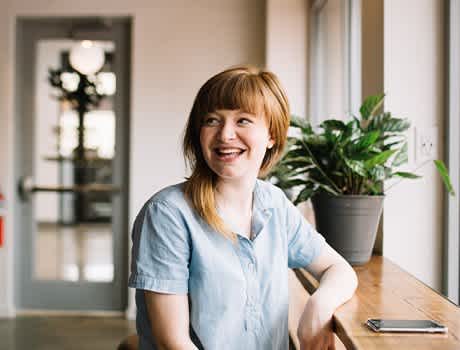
x=418 y=326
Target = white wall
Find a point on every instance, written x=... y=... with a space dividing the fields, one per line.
x=287 y=55
x=286 y=49
x=413 y=71
x=176 y=46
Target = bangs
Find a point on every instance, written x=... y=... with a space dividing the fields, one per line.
x=241 y=92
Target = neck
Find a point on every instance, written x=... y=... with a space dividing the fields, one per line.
x=235 y=194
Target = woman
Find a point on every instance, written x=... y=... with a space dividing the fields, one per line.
x=211 y=255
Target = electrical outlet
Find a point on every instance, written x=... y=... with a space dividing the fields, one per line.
x=426 y=144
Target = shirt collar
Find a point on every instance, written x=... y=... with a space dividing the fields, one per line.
x=262 y=200
x=261 y=211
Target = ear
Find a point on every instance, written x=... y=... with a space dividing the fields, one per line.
x=271 y=143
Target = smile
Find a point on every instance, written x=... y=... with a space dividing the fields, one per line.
x=228 y=154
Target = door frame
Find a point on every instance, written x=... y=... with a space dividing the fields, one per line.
x=28 y=31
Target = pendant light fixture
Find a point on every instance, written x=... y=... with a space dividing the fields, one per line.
x=87 y=57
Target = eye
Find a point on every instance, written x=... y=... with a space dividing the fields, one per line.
x=210 y=121
x=244 y=121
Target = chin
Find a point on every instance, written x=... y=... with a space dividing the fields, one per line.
x=236 y=176
x=230 y=176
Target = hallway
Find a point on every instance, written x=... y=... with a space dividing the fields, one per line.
x=63 y=332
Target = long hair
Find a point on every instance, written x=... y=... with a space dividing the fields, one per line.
x=245 y=88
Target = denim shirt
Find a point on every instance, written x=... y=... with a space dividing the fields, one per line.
x=238 y=293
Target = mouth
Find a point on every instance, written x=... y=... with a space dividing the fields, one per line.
x=228 y=154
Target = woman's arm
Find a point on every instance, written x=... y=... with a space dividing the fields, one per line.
x=337 y=283
x=169 y=318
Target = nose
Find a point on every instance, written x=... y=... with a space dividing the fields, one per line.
x=227 y=132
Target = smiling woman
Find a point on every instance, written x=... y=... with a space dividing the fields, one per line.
x=234 y=143
x=241 y=92
x=211 y=255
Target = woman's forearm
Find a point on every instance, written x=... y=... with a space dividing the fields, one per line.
x=337 y=285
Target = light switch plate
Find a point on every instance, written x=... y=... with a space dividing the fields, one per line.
x=426 y=144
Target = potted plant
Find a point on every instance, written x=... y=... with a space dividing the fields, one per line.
x=342 y=167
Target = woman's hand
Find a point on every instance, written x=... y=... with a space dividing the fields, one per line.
x=337 y=283
x=315 y=326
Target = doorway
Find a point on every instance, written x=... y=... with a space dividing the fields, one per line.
x=72 y=139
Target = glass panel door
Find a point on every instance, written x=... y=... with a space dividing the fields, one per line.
x=73 y=186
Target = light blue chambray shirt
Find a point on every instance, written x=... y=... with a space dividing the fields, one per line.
x=238 y=294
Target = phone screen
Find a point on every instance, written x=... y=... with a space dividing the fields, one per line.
x=407 y=325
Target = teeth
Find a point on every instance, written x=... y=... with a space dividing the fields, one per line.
x=229 y=151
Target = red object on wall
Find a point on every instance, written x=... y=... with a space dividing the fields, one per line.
x=1 y=231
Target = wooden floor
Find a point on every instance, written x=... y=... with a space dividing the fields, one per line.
x=63 y=333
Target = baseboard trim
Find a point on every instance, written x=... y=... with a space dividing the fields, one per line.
x=90 y=313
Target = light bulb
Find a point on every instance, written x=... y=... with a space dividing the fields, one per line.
x=86 y=57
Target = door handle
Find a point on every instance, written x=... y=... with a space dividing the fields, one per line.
x=26 y=187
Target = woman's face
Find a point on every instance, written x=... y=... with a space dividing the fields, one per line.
x=234 y=143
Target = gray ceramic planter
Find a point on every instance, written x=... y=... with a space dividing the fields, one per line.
x=349 y=224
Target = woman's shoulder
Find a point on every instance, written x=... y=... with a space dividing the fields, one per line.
x=171 y=196
x=169 y=193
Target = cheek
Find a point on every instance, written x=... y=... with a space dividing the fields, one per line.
x=261 y=140
x=204 y=139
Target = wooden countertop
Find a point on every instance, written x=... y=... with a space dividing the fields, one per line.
x=387 y=291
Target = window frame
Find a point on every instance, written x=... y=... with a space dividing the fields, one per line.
x=451 y=270
x=352 y=88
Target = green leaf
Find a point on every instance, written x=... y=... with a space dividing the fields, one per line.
x=365 y=141
x=328 y=189
x=363 y=156
x=376 y=188
x=300 y=170
x=297 y=162
x=386 y=123
x=378 y=159
x=378 y=173
x=370 y=105
x=301 y=123
x=293 y=183
x=401 y=157
x=445 y=176
x=396 y=125
x=356 y=166
x=333 y=124
x=353 y=124
x=406 y=175
x=392 y=144
x=304 y=195
x=316 y=140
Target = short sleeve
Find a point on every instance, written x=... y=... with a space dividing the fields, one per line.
x=161 y=250
x=304 y=242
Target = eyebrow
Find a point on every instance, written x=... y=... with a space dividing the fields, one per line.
x=240 y=114
x=240 y=111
